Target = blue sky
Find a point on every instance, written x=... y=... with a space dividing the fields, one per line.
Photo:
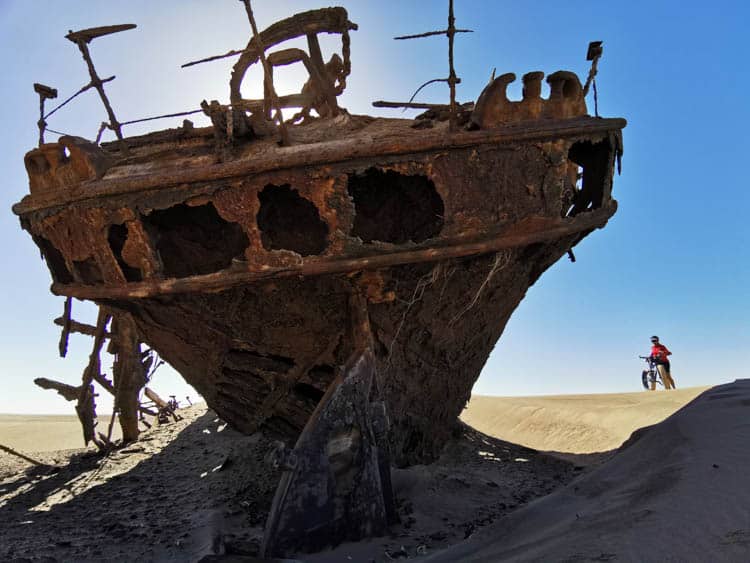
x=673 y=261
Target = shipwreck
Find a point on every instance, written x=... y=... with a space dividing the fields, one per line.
x=338 y=280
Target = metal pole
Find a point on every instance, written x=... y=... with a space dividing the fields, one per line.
x=81 y=39
x=45 y=93
x=41 y=123
x=452 y=75
x=97 y=83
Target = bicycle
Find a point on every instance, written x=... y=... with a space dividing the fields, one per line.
x=650 y=377
x=164 y=410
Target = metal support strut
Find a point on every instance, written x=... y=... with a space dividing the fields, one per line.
x=82 y=39
x=45 y=93
x=452 y=79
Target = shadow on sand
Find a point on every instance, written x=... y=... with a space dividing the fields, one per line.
x=162 y=498
x=195 y=488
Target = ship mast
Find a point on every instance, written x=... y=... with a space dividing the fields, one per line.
x=451 y=80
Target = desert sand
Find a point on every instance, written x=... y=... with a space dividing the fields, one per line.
x=677 y=491
x=195 y=488
x=577 y=424
x=45 y=433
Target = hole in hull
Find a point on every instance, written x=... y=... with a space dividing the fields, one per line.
x=593 y=159
x=288 y=221
x=395 y=208
x=117 y=236
x=194 y=240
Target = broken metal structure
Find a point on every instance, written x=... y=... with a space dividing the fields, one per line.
x=338 y=280
x=131 y=370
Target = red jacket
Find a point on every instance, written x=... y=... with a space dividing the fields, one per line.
x=659 y=352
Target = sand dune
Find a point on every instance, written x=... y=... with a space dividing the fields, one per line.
x=677 y=491
x=578 y=424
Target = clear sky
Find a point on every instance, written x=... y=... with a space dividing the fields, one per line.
x=673 y=261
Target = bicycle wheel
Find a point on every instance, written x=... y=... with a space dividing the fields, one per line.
x=644 y=379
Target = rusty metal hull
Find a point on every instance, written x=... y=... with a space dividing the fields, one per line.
x=239 y=270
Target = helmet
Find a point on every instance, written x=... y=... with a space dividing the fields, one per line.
x=654 y=339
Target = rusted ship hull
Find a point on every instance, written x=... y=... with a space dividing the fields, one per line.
x=239 y=272
x=338 y=280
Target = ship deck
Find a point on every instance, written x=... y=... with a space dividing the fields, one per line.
x=178 y=156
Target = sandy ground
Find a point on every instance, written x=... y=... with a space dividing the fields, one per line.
x=45 y=433
x=676 y=491
x=196 y=489
x=577 y=424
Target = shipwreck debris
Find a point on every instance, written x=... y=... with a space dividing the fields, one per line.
x=45 y=93
x=18 y=454
x=131 y=370
x=336 y=484
x=317 y=288
x=82 y=39
x=327 y=80
x=278 y=117
x=593 y=54
x=452 y=80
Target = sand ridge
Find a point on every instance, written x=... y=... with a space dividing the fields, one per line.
x=577 y=424
x=676 y=491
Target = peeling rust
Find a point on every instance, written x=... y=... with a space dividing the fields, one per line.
x=368 y=266
x=501 y=192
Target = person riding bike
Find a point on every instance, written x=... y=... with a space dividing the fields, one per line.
x=659 y=354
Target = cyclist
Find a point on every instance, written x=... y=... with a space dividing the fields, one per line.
x=659 y=354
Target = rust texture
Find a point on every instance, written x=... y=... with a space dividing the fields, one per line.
x=565 y=100
x=341 y=289
x=129 y=375
x=210 y=269
x=238 y=265
x=329 y=81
